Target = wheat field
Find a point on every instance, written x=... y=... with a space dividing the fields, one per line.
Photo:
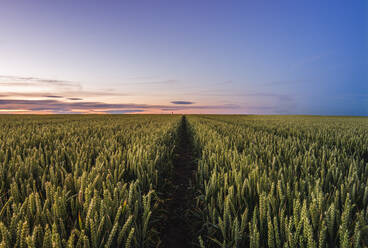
x=258 y=181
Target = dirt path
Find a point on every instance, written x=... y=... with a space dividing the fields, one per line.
x=177 y=232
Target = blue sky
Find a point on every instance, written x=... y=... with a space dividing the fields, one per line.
x=258 y=57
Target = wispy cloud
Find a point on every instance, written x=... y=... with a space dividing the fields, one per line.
x=35 y=87
x=71 y=95
x=52 y=96
x=8 y=80
x=62 y=96
x=75 y=98
x=56 y=106
x=182 y=102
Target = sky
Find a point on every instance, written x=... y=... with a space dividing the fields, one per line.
x=216 y=57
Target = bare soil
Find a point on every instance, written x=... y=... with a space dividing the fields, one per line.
x=177 y=231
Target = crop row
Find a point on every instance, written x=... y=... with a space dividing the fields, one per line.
x=87 y=181
x=281 y=181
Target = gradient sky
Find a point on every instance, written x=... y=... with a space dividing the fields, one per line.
x=257 y=57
